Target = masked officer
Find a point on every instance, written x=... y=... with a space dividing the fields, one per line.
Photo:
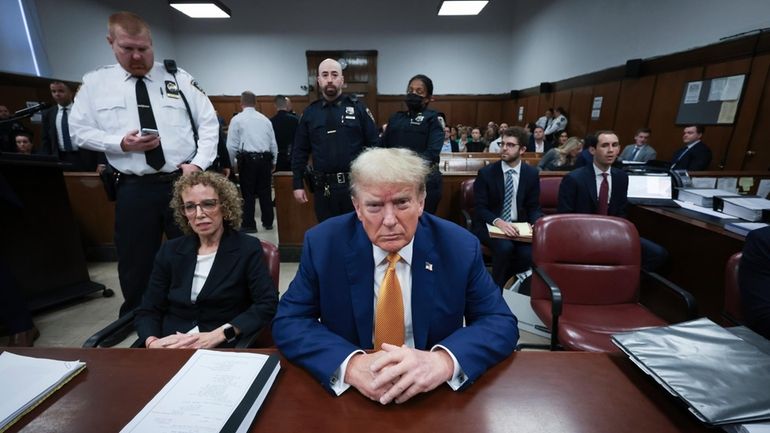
x=335 y=129
x=421 y=130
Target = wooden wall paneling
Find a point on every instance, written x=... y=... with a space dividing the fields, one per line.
x=719 y=138
x=464 y=112
x=544 y=102
x=444 y=107
x=609 y=92
x=532 y=112
x=386 y=109
x=562 y=99
x=633 y=110
x=665 y=104
x=487 y=111
x=580 y=111
x=758 y=130
x=509 y=112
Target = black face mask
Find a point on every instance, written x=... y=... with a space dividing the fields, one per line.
x=414 y=102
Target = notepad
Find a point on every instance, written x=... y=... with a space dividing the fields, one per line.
x=27 y=381
x=525 y=231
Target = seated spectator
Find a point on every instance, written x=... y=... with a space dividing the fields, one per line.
x=494 y=145
x=8 y=131
x=562 y=158
x=537 y=142
x=754 y=281
x=585 y=157
x=561 y=138
x=492 y=190
x=449 y=144
x=23 y=141
x=453 y=133
x=476 y=144
x=211 y=286
x=640 y=151
x=462 y=143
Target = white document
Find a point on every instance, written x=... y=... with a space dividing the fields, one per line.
x=701 y=209
x=728 y=184
x=753 y=203
x=717 y=89
x=693 y=92
x=26 y=381
x=764 y=188
x=704 y=182
x=732 y=90
x=203 y=395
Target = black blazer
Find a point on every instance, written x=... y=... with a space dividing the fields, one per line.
x=578 y=194
x=238 y=290
x=754 y=281
x=696 y=159
x=547 y=145
x=489 y=194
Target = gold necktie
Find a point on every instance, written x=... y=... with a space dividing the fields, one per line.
x=389 y=314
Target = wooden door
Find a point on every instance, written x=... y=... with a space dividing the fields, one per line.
x=359 y=70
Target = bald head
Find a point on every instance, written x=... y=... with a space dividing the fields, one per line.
x=330 y=79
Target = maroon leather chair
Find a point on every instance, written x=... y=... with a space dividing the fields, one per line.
x=586 y=280
x=732 y=310
x=549 y=194
x=467 y=207
x=262 y=338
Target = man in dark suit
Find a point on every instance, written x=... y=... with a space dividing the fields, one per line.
x=56 y=133
x=694 y=155
x=284 y=125
x=391 y=278
x=537 y=142
x=754 y=281
x=490 y=194
x=601 y=189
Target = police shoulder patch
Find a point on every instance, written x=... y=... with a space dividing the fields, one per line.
x=197 y=86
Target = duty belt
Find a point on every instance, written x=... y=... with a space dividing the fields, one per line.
x=331 y=178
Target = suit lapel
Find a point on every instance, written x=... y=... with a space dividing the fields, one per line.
x=187 y=255
x=424 y=264
x=590 y=183
x=224 y=262
x=498 y=183
x=359 y=265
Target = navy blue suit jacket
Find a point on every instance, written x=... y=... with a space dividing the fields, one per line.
x=696 y=159
x=754 y=278
x=335 y=283
x=489 y=195
x=578 y=194
x=547 y=145
x=238 y=290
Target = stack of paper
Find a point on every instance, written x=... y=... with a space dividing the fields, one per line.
x=213 y=392
x=27 y=381
x=701 y=196
x=525 y=232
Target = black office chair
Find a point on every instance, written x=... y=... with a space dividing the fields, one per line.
x=261 y=338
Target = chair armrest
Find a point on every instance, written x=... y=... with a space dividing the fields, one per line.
x=112 y=328
x=468 y=220
x=687 y=297
x=556 y=304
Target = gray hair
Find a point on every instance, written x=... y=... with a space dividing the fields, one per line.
x=389 y=166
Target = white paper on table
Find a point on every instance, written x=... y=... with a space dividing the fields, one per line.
x=763 y=189
x=704 y=182
x=728 y=183
x=202 y=396
x=701 y=209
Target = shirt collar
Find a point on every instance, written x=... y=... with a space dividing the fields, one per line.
x=127 y=75
x=515 y=168
x=68 y=106
x=405 y=253
x=598 y=171
x=693 y=144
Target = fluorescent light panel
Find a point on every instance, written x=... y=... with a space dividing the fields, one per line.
x=451 y=7
x=202 y=9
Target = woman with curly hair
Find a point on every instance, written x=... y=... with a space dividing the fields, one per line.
x=562 y=158
x=211 y=286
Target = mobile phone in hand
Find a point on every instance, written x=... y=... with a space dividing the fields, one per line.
x=148 y=131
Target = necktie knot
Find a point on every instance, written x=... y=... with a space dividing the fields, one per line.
x=393 y=258
x=604 y=175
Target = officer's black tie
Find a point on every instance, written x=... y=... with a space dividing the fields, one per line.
x=154 y=157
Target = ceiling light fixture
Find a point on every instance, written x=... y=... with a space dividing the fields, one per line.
x=452 y=7
x=201 y=8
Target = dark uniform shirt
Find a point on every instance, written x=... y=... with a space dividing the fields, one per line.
x=422 y=132
x=284 y=126
x=335 y=133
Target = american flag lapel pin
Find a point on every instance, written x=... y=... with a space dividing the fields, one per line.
x=429 y=266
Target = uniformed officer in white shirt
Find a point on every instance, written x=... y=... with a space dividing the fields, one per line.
x=251 y=139
x=106 y=117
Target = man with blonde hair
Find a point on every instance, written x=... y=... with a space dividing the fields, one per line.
x=390 y=278
x=136 y=112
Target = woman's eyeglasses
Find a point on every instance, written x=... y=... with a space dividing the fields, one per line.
x=206 y=206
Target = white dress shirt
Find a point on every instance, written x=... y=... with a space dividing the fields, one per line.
x=251 y=131
x=105 y=111
x=404 y=275
x=557 y=124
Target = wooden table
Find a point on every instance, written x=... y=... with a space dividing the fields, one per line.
x=528 y=392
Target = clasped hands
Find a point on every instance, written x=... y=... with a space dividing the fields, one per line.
x=398 y=373
x=201 y=340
